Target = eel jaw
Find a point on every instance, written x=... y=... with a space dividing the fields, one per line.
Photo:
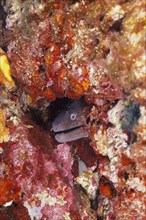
x=71 y=134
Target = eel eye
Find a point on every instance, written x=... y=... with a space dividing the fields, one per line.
x=73 y=116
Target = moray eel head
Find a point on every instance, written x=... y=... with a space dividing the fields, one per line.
x=70 y=124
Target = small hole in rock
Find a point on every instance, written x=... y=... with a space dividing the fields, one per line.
x=117 y=26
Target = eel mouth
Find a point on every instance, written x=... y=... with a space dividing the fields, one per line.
x=68 y=130
x=71 y=134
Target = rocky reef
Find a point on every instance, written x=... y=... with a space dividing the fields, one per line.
x=53 y=53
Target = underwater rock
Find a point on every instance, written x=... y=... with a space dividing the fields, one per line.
x=60 y=51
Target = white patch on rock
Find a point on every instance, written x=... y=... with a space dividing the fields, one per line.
x=34 y=211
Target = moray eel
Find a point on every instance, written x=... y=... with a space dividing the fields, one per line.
x=70 y=124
